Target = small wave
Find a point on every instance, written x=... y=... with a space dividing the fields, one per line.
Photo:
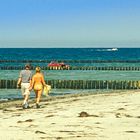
x=3 y=100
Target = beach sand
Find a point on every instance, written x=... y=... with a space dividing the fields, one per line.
x=113 y=116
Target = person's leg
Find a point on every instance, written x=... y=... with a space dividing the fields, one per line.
x=23 y=93
x=26 y=100
x=38 y=96
x=26 y=94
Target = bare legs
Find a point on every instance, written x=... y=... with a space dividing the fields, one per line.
x=38 y=97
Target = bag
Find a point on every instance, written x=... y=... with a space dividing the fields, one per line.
x=46 y=90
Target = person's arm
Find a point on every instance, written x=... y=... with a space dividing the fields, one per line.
x=31 y=76
x=19 y=82
x=43 y=81
x=31 y=83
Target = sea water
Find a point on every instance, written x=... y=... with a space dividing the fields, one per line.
x=122 y=54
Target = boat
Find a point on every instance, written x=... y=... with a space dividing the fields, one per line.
x=114 y=49
x=110 y=49
x=56 y=65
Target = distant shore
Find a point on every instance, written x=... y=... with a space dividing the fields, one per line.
x=109 y=116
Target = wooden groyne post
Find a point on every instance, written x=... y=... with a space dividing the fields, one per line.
x=80 y=84
x=75 y=68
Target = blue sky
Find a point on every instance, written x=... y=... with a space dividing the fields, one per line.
x=69 y=22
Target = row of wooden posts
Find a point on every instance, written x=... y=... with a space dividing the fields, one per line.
x=74 y=68
x=70 y=61
x=80 y=84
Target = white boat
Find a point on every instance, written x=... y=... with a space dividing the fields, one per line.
x=112 y=49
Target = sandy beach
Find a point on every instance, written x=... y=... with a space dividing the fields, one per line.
x=113 y=116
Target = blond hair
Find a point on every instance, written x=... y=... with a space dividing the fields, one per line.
x=37 y=69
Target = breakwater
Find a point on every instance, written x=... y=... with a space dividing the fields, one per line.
x=80 y=84
x=74 y=68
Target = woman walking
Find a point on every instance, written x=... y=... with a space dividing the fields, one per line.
x=38 y=84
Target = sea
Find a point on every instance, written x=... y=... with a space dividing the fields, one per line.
x=120 y=57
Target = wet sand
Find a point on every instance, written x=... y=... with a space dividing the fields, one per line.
x=113 y=116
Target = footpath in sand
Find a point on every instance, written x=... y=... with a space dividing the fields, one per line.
x=113 y=116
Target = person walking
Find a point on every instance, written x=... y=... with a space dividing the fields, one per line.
x=38 y=84
x=24 y=81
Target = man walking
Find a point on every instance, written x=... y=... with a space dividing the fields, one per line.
x=24 y=80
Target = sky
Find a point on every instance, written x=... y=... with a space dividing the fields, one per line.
x=69 y=23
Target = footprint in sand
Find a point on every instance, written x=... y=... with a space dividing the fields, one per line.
x=130 y=131
x=41 y=132
x=29 y=120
